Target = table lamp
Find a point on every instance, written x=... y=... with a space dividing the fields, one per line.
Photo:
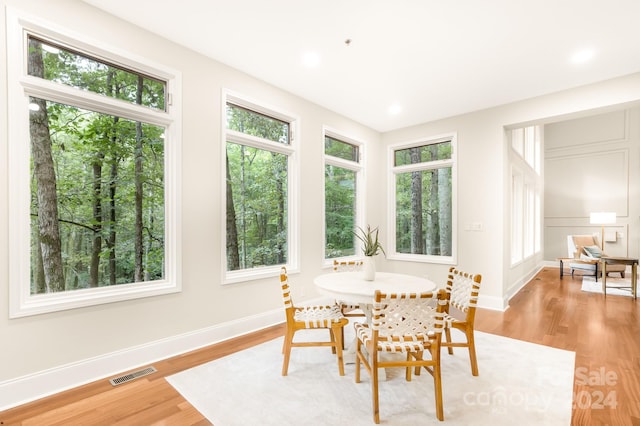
x=602 y=218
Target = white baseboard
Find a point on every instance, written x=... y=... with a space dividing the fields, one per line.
x=41 y=384
x=34 y=386
x=502 y=303
x=493 y=303
x=524 y=280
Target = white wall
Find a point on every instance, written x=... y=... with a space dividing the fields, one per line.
x=34 y=345
x=593 y=164
x=483 y=178
x=45 y=353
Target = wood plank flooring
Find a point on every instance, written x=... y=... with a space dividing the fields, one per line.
x=604 y=333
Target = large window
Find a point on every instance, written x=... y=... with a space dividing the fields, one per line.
x=259 y=195
x=93 y=152
x=423 y=204
x=343 y=196
x=526 y=184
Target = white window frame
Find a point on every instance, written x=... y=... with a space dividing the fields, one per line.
x=517 y=215
x=291 y=150
x=358 y=168
x=525 y=192
x=21 y=86
x=392 y=253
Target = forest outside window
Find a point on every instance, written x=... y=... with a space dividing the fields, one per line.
x=93 y=158
x=259 y=192
x=343 y=198
x=423 y=204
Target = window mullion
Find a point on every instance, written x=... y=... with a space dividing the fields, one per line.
x=257 y=142
x=34 y=86
x=345 y=164
x=432 y=165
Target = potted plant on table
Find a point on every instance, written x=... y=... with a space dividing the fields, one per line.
x=371 y=246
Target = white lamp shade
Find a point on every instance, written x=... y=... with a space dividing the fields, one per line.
x=602 y=218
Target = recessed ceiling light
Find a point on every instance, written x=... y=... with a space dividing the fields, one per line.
x=310 y=59
x=395 y=109
x=582 y=56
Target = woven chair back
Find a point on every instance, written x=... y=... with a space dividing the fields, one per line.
x=347 y=265
x=463 y=289
x=404 y=317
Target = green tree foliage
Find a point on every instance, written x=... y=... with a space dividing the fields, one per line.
x=94 y=157
x=256 y=193
x=339 y=211
x=340 y=199
x=423 y=202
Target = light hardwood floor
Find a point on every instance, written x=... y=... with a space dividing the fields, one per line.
x=604 y=333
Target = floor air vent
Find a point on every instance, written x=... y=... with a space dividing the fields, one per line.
x=132 y=376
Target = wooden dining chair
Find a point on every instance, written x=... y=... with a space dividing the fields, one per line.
x=460 y=311
x=348 y=309
x=402 y=323
x=311 y=317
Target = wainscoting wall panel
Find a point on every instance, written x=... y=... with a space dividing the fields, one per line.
x=592 y=164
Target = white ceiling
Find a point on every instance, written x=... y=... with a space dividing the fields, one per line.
x=433 y=59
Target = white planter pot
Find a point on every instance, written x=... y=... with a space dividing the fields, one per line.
x=369 y=268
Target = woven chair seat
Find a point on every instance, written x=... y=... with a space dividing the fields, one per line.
x=318 y=316
x=406 y=324
x=327 y=317
x=394 y=343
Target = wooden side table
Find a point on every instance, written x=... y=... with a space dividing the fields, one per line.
x=621 y=261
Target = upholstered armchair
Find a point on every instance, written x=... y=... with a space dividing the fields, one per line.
x=587 y=253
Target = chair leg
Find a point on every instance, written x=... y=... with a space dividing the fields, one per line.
x=286 y=349
x=332 y=336
x=472 y=351
x=417 y=356
x=357 y=372
x=374 y=388
x=447 y=338
x=337 y=346
x=407 y=372
x=437 y=384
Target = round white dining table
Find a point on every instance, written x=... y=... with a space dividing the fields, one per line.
x=351 y=287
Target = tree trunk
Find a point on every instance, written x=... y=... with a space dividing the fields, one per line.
x=417 y=245
x=113 y=179
x=94 y=268
x=433 y=228
x=233 y=254
x=281 y=206
x=111 y=240
x=138 y=244
x=444 y=197
x=243 y=207
x=45 y=177
x=37 y=268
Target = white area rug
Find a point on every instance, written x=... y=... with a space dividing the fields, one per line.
x=520 y=383
x=589 y=284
